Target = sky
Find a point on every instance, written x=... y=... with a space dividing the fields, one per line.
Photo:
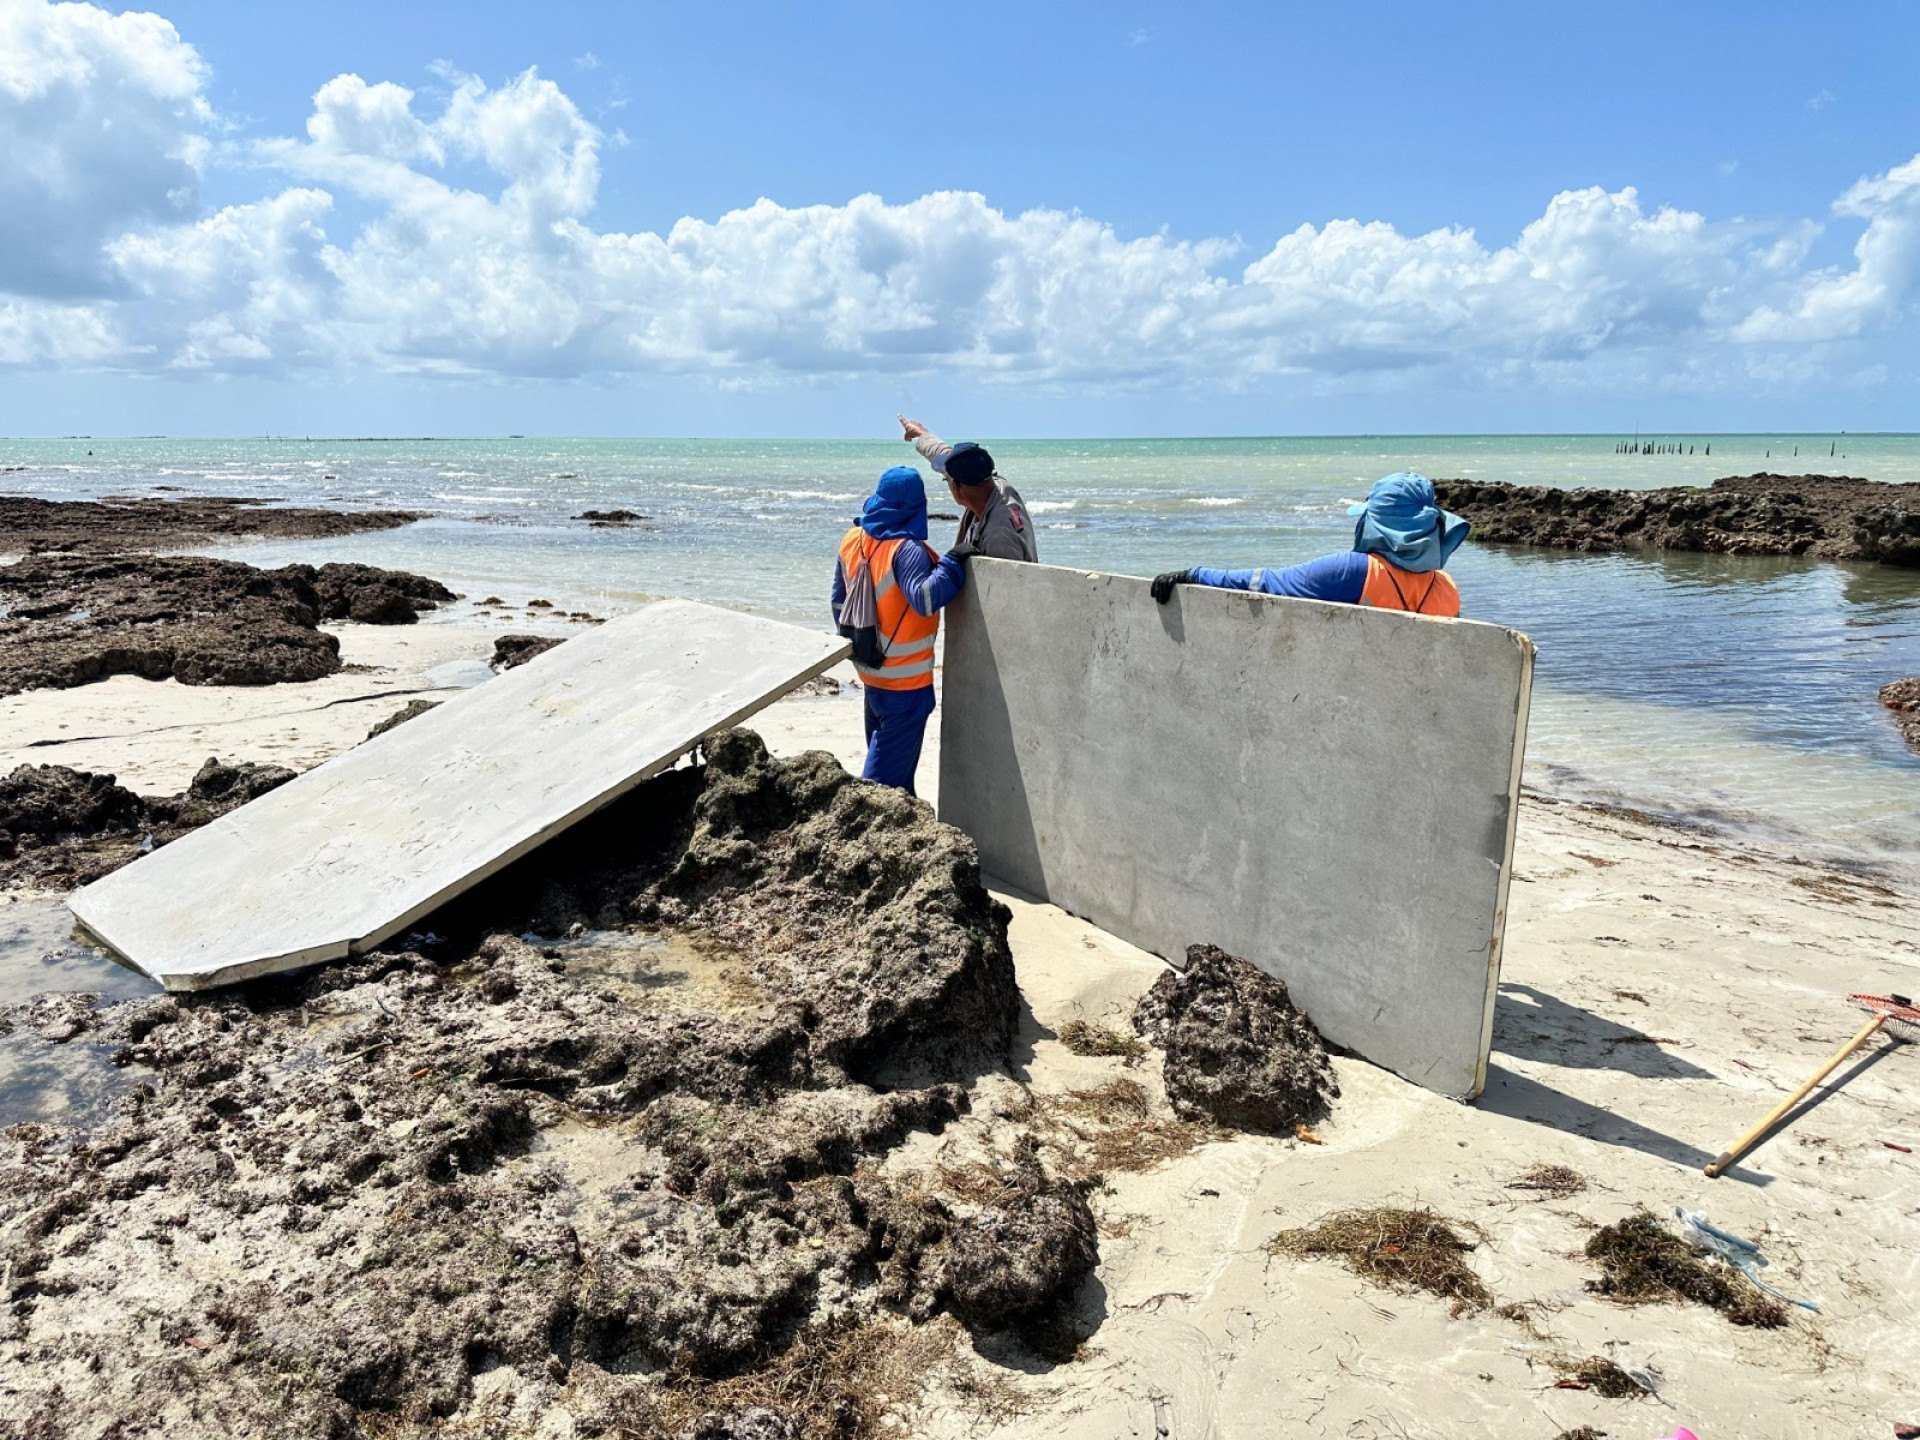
x=759 y=219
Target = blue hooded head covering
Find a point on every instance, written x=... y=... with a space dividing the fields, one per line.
x=1402 y=521
x=897 y=509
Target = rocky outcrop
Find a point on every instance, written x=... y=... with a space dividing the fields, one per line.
x=29 y=525
x=60 y=828
x=497 y=1179
x=1238 y=1051
x=70 y=619
x=1819 y=516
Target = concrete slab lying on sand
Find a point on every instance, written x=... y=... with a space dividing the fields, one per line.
x=359 y=848
x=1326 y=790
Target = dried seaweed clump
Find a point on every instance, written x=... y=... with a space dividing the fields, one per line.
x=1645 y=1263
x=1084 y=1038
x=835 y=1382
x=1238 y=1051
x=1399 y=1249
x=1117 y=1130
x=1600 y=1375
x=1555 y=1182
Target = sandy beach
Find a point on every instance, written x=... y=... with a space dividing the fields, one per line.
x=1660 y=991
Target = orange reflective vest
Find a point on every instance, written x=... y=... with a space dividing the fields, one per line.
x=1391 y=588
x=906 y=636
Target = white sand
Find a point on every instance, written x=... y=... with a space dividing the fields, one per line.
x=1660 y=993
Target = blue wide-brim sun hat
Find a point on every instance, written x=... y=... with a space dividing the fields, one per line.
x=1402 y=521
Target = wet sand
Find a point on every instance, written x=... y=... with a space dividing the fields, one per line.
x=1661 y=991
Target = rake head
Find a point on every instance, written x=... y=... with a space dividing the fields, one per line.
x=1901 y=1014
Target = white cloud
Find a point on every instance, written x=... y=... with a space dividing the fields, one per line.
x=456 y=234
x=1881 y=287
x=103 y=125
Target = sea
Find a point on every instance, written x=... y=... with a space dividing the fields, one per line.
x=1736 y=694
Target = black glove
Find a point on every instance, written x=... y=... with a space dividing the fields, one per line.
x=963 y=550
x=1162 y=586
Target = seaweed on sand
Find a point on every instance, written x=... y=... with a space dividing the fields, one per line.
x=1116 y=1123
x=1084 y=1038
x=834 y=1382
x=1645 y=1263
x=1600 y=1375
x=1555 y=1182
x=1400 y=1249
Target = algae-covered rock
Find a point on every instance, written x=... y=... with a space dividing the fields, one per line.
x=412 y=710
x=514 y=1167
x=1238 y=1051
x=510 y=651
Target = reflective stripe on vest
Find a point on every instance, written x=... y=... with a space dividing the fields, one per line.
x=1389 y=587
x=906 y=636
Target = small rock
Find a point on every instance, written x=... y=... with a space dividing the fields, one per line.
x=412 y=710
x=512 y=650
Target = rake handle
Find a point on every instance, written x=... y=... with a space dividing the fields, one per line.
x=1745 y=1143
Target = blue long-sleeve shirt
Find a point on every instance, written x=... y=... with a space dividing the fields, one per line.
x=1340 y=578
x=928 y=585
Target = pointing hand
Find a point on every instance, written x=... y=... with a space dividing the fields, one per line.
x=911 y=429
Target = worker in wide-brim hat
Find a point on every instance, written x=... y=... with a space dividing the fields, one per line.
x=1402 y=540
x=888 y=590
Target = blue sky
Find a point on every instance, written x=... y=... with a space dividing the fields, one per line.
x=1085 y=220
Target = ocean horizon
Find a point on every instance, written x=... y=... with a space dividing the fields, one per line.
x=1734 y=692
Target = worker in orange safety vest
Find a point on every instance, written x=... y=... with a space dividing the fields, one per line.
x=888 y=590
x=1401 y=541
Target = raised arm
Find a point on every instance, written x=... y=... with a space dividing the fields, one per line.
x=931 y=447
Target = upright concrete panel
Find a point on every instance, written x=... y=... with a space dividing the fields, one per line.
x=1325 y=790
x=357 y=849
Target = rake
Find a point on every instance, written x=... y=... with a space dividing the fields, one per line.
x=1895 y=1014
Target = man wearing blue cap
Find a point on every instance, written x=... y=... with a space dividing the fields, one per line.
x=993 y=519
x=888 y=591
x=1401 y=541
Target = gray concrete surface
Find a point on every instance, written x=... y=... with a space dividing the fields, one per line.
x=359 y=848
x=1328 y=791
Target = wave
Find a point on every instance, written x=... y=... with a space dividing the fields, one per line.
x=1048 y=507
x=1217 y=500
x=837 y=497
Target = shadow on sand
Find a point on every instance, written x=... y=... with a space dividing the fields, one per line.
x=1530 y=1024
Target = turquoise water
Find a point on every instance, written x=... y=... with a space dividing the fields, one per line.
x=1736 y=691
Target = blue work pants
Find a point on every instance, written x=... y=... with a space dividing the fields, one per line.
x=896 y=726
